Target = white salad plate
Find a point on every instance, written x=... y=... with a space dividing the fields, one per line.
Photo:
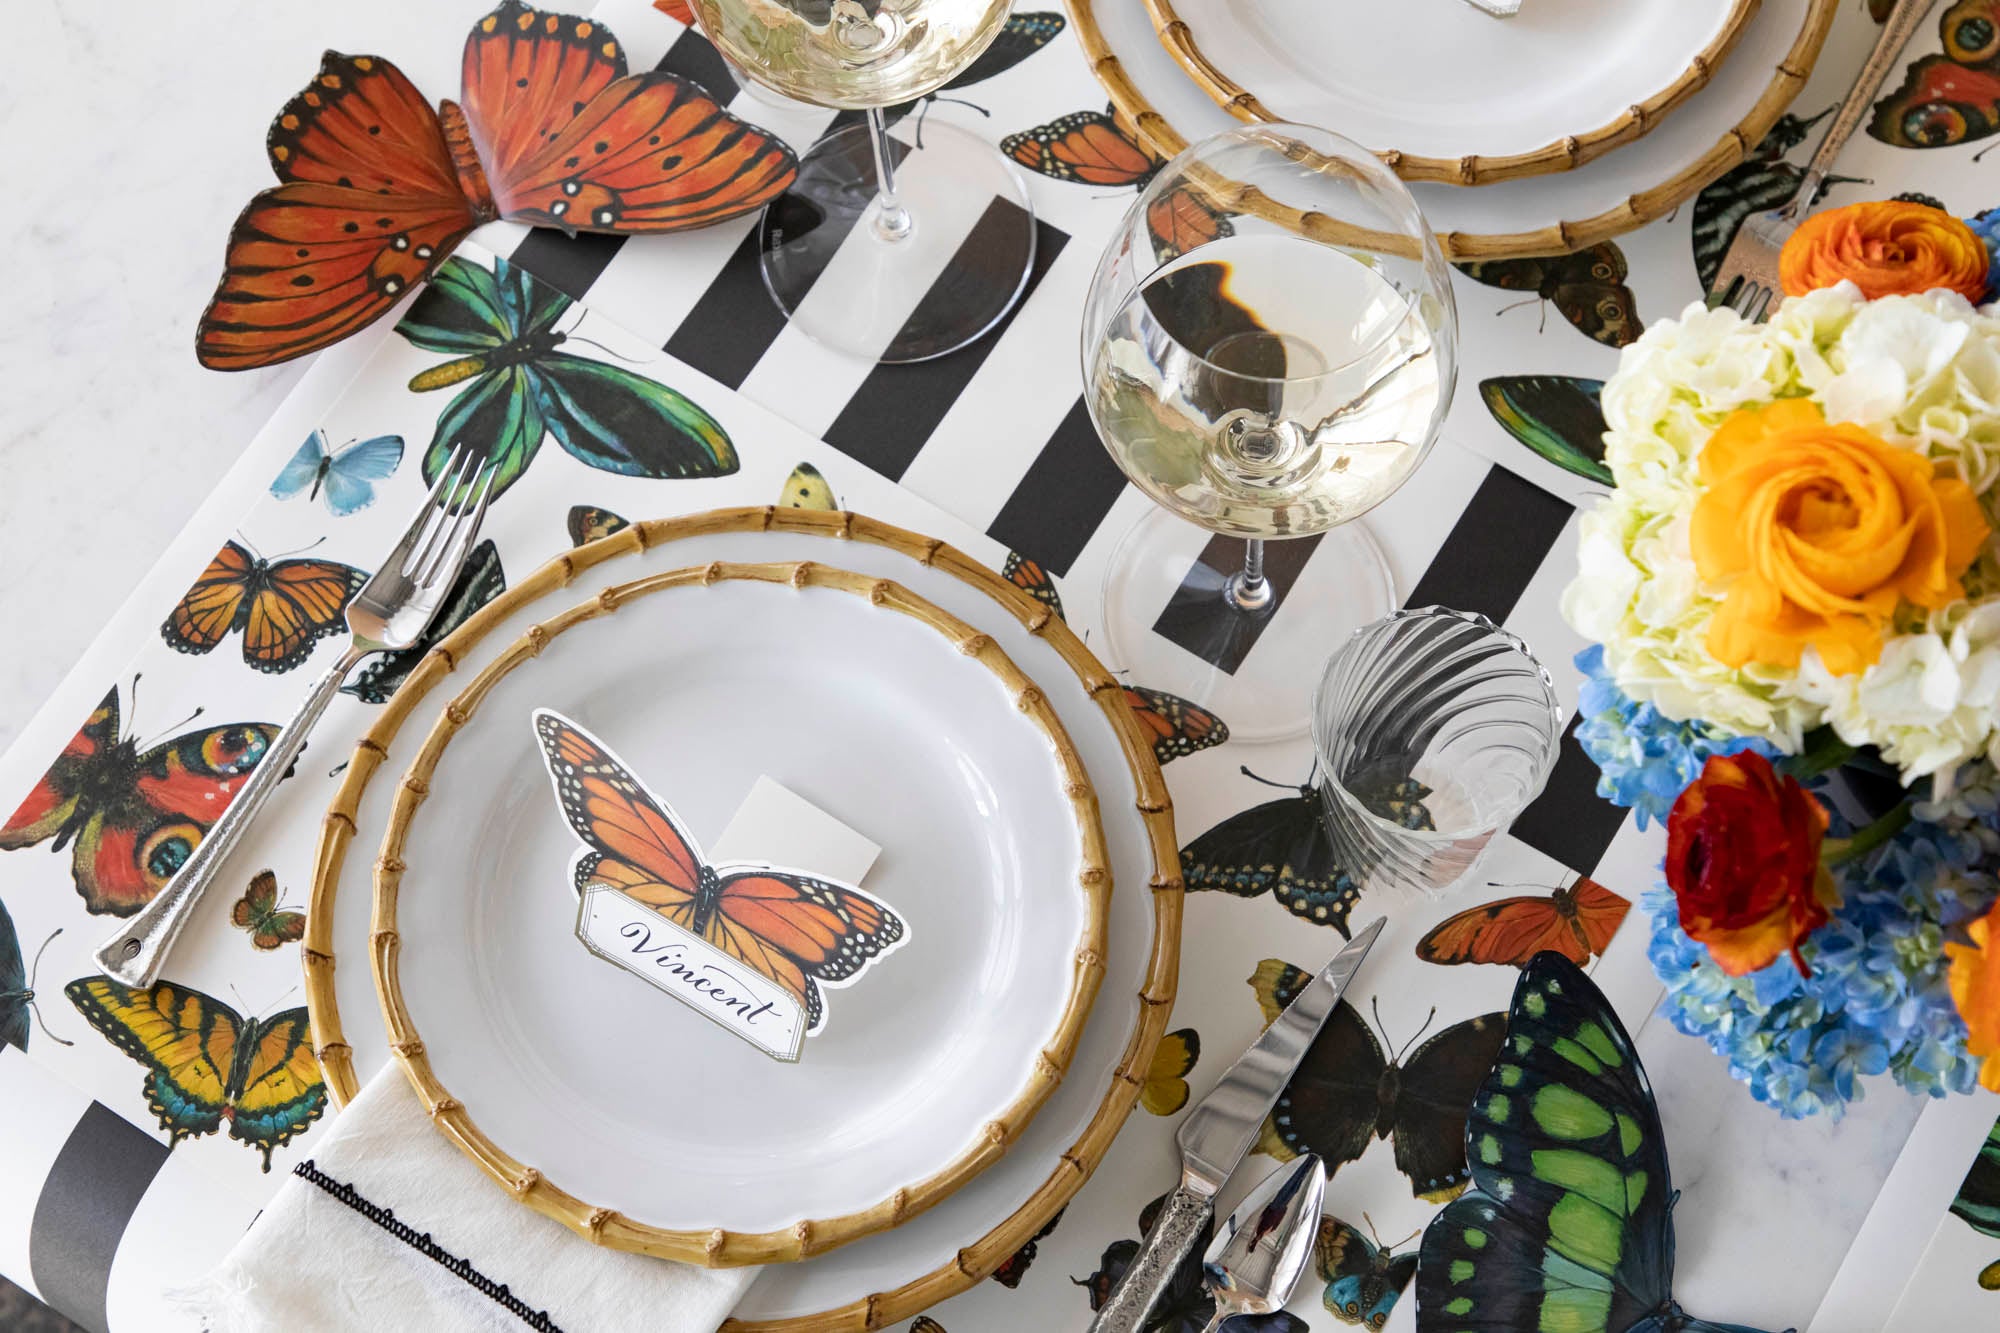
x=1445 y=91
x=585 y=1088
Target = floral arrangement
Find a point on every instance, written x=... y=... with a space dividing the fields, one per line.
x=1793 y=593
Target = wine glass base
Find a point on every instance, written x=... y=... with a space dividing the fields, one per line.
x=1277 y=656
x=943 y=284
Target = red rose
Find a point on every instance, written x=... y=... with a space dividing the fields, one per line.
x=1743 y=862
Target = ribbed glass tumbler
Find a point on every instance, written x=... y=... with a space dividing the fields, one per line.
x=1434 y=728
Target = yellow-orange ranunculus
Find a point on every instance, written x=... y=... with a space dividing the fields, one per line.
x=1818 y=531
x=1975 y=989
x=1892 y=248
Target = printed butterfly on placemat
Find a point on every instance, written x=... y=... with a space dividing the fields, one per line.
x=1010 y=1273
x=1029 y=576
x=1347 y=1092
x=259 y=912
x=1977 y=1202
x=17 y=987
x=1557 y=416
x=1952 y=97
x=133 y=817
x=1166 y=1089
x=807 y=488
x=586 y=523
x=1363 y=1278
x=1282 y=848
x=1761 y=182
x=479 y=582
x=206 y=1063
x=345 y=477
x=500 y=325
x=800 y=931
x=1097 y=148
x=1587 y=288
x=377 y=189
x=1576 y=922
x=280 y=607
x=1570 y=1224
x=1185 y=1306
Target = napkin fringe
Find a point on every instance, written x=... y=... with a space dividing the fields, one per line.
x=421 y=1241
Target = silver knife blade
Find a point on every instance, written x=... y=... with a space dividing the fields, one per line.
x=1219 y=1132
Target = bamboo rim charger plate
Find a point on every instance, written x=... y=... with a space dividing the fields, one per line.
x=1162 y=109
x=1556 y=86
x=897 y=1272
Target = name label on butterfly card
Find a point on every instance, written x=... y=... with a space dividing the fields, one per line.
x=687 y=967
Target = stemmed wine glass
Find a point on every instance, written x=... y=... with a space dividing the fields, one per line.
x=881 y=249
x=1269 y=348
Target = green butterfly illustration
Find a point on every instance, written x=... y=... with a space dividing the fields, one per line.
x=1557 y=416
x=1569 y=1224
x=500 y=325
x=1978 y=1200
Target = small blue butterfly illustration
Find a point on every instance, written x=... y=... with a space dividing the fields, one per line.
x=348 y=478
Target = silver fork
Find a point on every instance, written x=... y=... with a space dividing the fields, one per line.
x=392 y=609
x=1748 y=280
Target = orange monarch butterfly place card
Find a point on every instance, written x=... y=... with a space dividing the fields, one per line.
x=744 y=943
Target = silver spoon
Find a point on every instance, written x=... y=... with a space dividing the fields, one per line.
x=1261 y=1252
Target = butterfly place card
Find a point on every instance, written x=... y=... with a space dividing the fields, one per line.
x=745 y=944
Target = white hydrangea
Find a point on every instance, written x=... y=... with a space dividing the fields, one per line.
x=1922 y=372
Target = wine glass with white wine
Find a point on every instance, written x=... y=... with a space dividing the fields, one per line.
x=1269 y=348
x=889 y=250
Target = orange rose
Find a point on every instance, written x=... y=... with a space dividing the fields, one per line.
x=1743 y=862
x=1818 y=532
x=1975 y=989
x=1893 y=248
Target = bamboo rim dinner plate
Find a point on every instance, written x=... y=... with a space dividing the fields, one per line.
x=1156 y=103
x=1444 y=93
x=644 y=1124
x=899 y=1271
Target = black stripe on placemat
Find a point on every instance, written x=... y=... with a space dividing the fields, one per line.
x=87 y=1199
x=1493 y=551
x=421 y=1242
x=571 y=264
x=735 y=321
x=896 y=409
x=1190 y=617
x=1063 y=498
x=1569 y=820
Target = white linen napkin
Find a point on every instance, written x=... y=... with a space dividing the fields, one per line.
x=390 y=1226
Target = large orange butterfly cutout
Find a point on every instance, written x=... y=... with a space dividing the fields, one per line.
x=1098 y=148
x=377 y=188
x=1576 y=922
x=801 y=931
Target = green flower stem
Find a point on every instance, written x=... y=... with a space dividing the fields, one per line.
x=1836 y=850
x=1823 y=752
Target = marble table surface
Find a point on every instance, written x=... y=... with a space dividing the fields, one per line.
x=130 y=139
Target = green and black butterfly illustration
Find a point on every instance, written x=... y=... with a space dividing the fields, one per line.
x=1557 y=416
x=1587 y=288
x=1351 y=1090
x=499 y=325
x=1978 y=1200
x=1569 y=1223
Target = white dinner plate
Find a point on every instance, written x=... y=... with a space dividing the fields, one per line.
x=600 y=1091
x=1451 y=93
x=939 y=1253
x=1538 y=215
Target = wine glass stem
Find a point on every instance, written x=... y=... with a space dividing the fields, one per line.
x=891 y=221
x=1248 y=590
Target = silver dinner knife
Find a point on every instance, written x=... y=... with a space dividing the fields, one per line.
x=1218 y=1133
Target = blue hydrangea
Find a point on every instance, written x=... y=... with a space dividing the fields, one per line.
x=1644 y=760
x=1986 y=226
x=1878 y=999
